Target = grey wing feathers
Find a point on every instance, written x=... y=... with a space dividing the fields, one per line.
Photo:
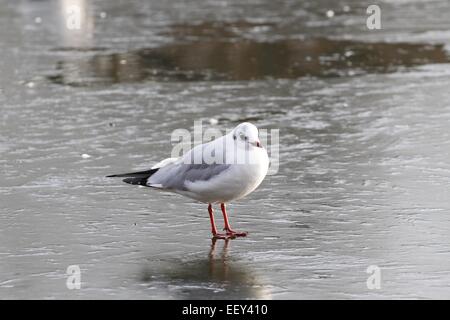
x=174 y=177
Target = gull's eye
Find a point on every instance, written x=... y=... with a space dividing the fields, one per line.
x=242 y=136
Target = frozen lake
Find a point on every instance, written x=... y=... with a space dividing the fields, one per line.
x=364 y=169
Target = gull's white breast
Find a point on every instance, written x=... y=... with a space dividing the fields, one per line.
x=234 y=183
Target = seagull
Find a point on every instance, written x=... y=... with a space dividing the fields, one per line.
x=225 y=169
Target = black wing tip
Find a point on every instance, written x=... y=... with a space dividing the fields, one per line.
x=131 y=180
x=136 y=181
x=121 y=175
x=139 y=174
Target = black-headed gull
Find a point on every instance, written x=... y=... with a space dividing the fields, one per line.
x=226 y=169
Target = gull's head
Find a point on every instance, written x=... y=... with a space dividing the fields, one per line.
x=247 y=133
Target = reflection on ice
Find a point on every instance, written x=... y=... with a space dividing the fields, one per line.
x=216 y=277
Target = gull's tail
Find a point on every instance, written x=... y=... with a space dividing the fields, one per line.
x=139 y=178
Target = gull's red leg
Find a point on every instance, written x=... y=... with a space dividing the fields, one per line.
x=227 y=228
x=216 y=235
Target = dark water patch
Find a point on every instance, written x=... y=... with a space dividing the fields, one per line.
x=79 y=49
x=243 y=60
x=217 y=30
x=301 y=225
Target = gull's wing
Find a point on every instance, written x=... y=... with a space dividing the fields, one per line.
x=175 y=176
x=173 y=173
x=141 y=177
x=190 y=167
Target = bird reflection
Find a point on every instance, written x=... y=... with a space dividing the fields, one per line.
x=219 y=268
x=218 y=276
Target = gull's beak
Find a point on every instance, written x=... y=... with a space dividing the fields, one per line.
x=257 y=143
